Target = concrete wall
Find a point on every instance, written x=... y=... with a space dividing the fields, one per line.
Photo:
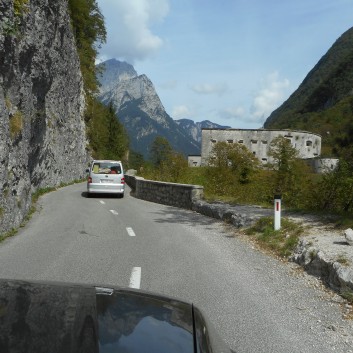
x=194 y=161
x=323 y=165
x=172 y=194
x=258 y=141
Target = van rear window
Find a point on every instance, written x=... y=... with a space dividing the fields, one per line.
x=106 y=168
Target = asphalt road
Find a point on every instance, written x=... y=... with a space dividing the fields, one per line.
x=257 y=303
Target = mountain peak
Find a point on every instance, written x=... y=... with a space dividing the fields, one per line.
x=112 y=72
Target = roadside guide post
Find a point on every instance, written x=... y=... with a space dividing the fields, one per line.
x=277 y=205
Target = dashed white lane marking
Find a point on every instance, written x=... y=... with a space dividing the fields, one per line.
x=135 y=278
x=102 y=202
x=130 y=232
x=114 y=212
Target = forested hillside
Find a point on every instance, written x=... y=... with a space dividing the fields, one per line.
x=106 y=135
x=323 y=103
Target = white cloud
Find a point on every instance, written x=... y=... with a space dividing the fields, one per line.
x=269 y=97
x=181 y=112
x=129 y=25
x=208 y=88
x=232 y=113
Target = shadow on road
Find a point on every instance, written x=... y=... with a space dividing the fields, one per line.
x=100 y=196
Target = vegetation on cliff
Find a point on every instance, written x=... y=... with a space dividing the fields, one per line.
x=106 y=135
x=323 y=103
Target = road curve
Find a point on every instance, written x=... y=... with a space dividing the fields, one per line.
x=257 y=303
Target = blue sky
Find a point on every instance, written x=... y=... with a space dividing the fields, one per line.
x=228 y=61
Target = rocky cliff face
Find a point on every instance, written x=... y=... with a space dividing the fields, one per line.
x=42 y=132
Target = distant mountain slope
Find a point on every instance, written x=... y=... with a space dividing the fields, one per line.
x=323 y=103
x=140 y=109
x=194 y=129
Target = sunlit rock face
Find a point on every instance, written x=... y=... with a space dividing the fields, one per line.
x=42 y=131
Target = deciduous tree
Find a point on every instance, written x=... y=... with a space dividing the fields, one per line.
x=160 y=151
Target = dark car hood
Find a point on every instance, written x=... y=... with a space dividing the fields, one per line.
x=63 y=318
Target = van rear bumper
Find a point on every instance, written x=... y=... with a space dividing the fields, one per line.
x=105 y=188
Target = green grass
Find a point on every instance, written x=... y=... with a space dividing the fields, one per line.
x=40 y=192
x=281 y=242
x=16 y=124
x=343 y=260
x=348 y=295
x=8 y=234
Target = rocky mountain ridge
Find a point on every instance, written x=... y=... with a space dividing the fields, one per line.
x=42 y=131
x=141 y=111
x=323 y=102
x=193 y=129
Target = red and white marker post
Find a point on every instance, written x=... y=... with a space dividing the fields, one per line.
x=277 y=204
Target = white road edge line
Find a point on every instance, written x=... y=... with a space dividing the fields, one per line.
x=135 y=278
x=114 y=212
x=130 y=232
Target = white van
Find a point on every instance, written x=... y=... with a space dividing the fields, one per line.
x=106 y=176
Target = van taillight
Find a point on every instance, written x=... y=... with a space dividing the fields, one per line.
x=123 y=180
x=89 y=180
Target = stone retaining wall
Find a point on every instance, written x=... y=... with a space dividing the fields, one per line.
x=171 y=194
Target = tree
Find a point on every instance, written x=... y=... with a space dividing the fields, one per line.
x=89 y=31
x=228 y=166
x=107 y=136
x=161 y=151
x=243 y=162
x=233 y=157
x=117 y=141
x=174 y=168
x=283 y=154
x=291 y=177
x=136 y=160
x=335 y=190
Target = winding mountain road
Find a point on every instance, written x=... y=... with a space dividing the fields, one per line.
x=256 y=303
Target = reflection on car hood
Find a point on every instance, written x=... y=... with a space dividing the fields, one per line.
x=132 y=322
x=63 y=318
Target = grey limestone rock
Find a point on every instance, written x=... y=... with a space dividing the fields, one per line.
x=348 y=233
x=42 y=131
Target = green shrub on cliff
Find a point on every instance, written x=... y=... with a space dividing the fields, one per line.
x=107 y=137
x=20 y=7
x=16 y=124
x=89 y=31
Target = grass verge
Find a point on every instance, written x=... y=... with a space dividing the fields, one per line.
x=281 y=242
x=348 y=295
